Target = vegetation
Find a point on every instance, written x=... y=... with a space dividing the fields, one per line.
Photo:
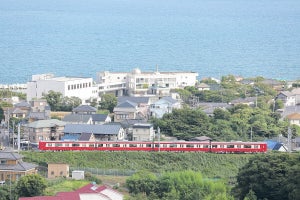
x=272 y=176
x=210 y=165
x=108 y=102
x=187 y=185
x=240 y=122
x=59 y=103
x=63 y=185
x=31 y=185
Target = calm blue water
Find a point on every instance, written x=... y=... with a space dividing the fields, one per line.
x=212 y=37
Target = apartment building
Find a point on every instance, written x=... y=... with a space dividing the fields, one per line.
x=80 y=87
x=137 y=83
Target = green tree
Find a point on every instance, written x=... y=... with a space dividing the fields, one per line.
x=68 y=103
x=268 y=177
x=31 y=185
x=54 y=99
x=108 y=102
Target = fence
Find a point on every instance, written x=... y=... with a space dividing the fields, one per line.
x=104 y=172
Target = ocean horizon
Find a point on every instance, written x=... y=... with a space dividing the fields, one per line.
x=211 y=37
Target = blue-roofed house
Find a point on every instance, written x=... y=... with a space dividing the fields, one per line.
x=276 y=146
x=78 y=119
x=105 y=132
x=126 y=110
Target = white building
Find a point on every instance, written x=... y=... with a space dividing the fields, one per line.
x=142 y=132
x=41 y=84
x=138 y=83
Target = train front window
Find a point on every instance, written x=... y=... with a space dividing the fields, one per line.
x=49 y=145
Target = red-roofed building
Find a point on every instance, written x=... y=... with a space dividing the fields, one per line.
x=88 y=192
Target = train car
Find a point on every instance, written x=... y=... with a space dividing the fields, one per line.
x=171 y=146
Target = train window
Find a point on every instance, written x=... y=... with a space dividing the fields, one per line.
x=83 y=145
x=198 y=146
x=205 y=146
x=230 y=146
x=238 y=146
x=132 y=145
x=255 y=146
x=67 y=145
x=91 y=145
x=75 y=145
x=49 y=144
x=148 y=145
x=58 y=144
x=221 y=146
x=173 y=145
x=214 y=146
x=165 y=145
x=100 y=145
x=156 y=145
x=190 y=145
x=247 y=146
x=116 y=145
x=181 y=145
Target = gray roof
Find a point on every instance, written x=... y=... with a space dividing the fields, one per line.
x=23 y=104
x=137 y=100
x=130 y=122
x=38 y=115
x=46 y=123
x=244 y=100
x=142 y=126
x=286 y=93
x=106 y=129
x=126 y=104
x=170 y=99
x=76 y=118
x=4 y=155
x=84 y=108
x=20 y=166
x=85 y=136
x=99 y=117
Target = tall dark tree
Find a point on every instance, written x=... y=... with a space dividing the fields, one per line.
x=53 y=99
x=268 y=177
x=108 y=102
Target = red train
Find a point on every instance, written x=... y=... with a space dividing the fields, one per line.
x=176 y=146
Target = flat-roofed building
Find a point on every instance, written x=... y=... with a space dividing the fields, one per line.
x=80 y=87
x=137 y=83
x=58 y=170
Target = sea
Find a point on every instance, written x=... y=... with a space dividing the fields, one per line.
x=247 y=38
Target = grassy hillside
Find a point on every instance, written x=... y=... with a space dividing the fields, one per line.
x=211 y=165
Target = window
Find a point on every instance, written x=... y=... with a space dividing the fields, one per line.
x=247 y=146
x=61 y=173
x=116 y=145
x=52 y=172
x=91 y=145
x=132 y=145
x=214 y=146
x=49 y=145
x=148 y=145
x=230 y=146
x=3 y=162
x=75 y=145
x=190 y=146
x=173 y=145
x=58 y=144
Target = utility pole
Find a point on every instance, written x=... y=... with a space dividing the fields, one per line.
x=158 y=131
x=289 y=140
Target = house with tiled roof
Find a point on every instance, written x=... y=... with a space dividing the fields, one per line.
x=78 y=119
x=101 y=118
x=51 y=129
x=203 y=86
x=88 y=192
x=209 y=107
x=12 y=166
x=105 y=132
x=126 y=110
x=250 y=101
x=84 y=109
x=294 y=118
